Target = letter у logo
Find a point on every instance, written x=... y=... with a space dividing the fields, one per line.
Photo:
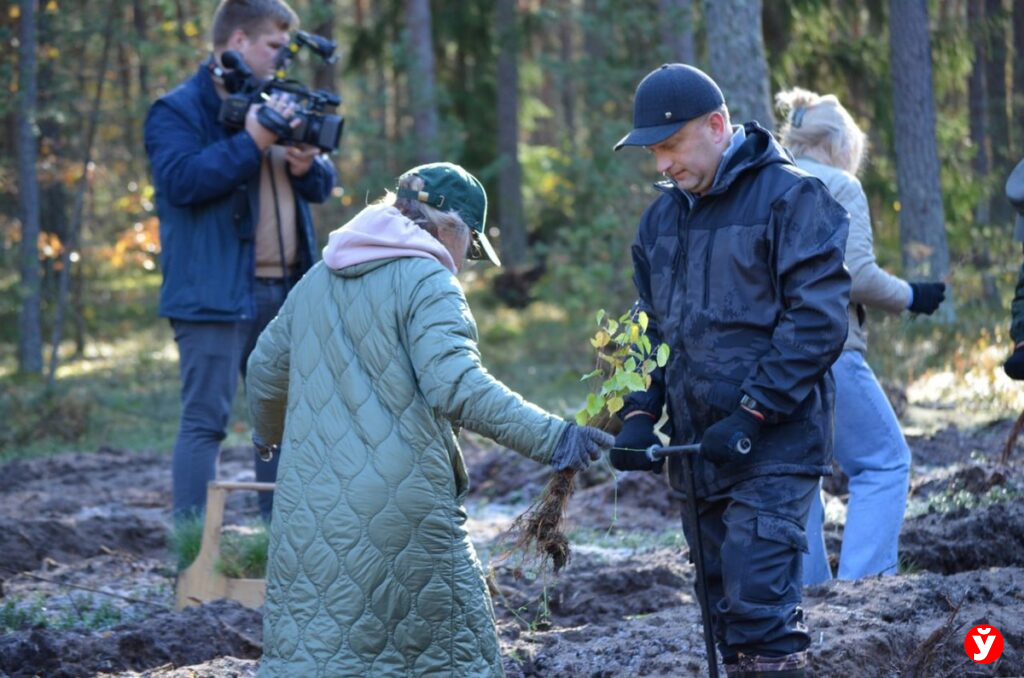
x=984 y=644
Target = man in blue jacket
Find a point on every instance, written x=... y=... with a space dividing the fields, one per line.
x=235 y=233
x=739 y=266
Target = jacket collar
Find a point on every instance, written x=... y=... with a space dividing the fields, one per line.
x=758 y=149
x=208 y=97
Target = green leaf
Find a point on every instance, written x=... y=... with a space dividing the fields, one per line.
x=642 y=319
x=600 y=317
x=590 y=375
x=630 y=365
x=663 y=355
x=582 y=418
x=612 y=326
x=645 y=344
x=594 y=404
x=615 y=404
x=634 y=381
x=648 y=367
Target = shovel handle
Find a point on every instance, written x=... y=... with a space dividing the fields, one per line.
x=658 y=452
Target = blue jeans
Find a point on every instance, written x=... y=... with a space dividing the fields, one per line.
x=212 y=356
x=871 y=450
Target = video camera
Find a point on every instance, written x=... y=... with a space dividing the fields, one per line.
x=317 y=128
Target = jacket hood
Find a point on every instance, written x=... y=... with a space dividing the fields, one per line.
x=381 y=232
x=758 y=149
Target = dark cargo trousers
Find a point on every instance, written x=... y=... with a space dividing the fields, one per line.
x=754 y=539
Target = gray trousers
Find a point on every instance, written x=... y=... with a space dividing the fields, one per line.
x=753 y=541
x=212 y=356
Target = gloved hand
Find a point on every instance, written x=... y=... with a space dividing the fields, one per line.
x=1014 y=365
x=578 y=446
x=629 y=453
x=720 y=441
x=927 y=296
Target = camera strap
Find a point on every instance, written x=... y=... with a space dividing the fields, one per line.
x=277 y=217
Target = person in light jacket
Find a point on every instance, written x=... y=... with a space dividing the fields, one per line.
x=364 y=379
x=869 y=445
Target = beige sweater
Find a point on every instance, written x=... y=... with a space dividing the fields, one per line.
x=870 y=285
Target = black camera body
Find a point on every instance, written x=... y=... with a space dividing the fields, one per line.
x=317 y=127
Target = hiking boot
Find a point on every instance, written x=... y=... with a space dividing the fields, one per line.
x=755 y=666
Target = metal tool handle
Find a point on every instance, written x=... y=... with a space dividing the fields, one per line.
x=659 y=452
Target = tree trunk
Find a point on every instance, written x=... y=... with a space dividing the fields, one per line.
x=71 y=245
x=1017 y=97
x=30 y=338
x=139 y=21
x=420 y=78
x=567 y=52
x=677 y=30
x=922 y=225
x=510 y=197
x=996 y=20
x=977 y=101
x=977 y=115
x=736 y=52
x=324 y=76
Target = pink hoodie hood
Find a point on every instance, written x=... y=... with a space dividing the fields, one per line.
x=382 y=232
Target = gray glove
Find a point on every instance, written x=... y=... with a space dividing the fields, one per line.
x=578 y=446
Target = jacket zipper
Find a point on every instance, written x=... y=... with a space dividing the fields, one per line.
x=707 y=267
x=681 y=224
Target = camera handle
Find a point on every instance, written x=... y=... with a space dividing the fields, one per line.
x=273 y=121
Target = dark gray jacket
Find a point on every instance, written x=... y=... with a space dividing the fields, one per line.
x=749 y=289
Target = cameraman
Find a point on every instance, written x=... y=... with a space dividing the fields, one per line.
x=235 y=233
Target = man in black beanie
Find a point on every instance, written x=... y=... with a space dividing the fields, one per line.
x=738 y=264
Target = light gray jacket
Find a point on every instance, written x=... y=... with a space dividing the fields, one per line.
x=871 y=286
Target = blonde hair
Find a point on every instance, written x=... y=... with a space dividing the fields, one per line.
x=437 y=223
x=819 y=128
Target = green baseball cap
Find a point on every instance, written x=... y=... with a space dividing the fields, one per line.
x=450 y=188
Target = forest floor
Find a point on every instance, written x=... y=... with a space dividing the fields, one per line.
x=86 y=582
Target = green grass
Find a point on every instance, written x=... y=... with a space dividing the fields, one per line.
x=184 y=541
x=243 y=549
x=243 y=554
x=955 y=499
x=83 y=614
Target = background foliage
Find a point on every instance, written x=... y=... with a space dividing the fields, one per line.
x=578 y=61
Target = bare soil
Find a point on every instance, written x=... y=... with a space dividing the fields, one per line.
x=86 y=584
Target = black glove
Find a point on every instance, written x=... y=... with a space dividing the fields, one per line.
x=927 y=296
x=1014 y=365
x=722 y=440
x=578 y=446
x=630 y=451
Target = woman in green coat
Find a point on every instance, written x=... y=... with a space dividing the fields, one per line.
x=364 y=379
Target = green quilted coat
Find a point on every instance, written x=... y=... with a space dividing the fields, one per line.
x=362 y=377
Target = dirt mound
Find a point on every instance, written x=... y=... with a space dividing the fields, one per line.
x=914 y=625
x=635 y=500
x=222 y=667
x=875 y=627
x=597 y=588
x=27 y=543
x=952 y=444
x=989 y=536
x=191 y=636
